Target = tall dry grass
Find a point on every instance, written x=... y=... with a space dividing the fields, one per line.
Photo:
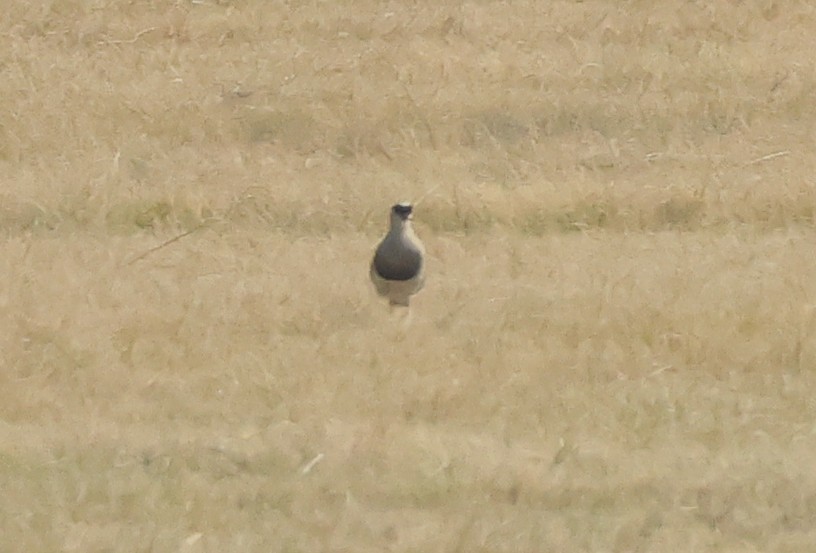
x=615 y=347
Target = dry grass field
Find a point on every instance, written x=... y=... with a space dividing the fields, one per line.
x=616 y=347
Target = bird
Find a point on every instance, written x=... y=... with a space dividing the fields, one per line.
x=398 y=267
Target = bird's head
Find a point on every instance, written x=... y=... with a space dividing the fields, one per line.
x=401 y=213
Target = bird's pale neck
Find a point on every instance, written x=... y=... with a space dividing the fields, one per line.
x=399 y=224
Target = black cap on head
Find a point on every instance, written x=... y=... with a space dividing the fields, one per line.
x=403 y=210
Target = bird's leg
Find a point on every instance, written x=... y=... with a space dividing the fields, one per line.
x=402 y=312
x=407 y=318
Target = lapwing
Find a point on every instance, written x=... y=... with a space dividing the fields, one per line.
x=398 y=267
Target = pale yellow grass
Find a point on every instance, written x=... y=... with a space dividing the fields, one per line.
x=615 y=347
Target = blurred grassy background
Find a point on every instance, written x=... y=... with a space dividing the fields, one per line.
x=614 y=350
